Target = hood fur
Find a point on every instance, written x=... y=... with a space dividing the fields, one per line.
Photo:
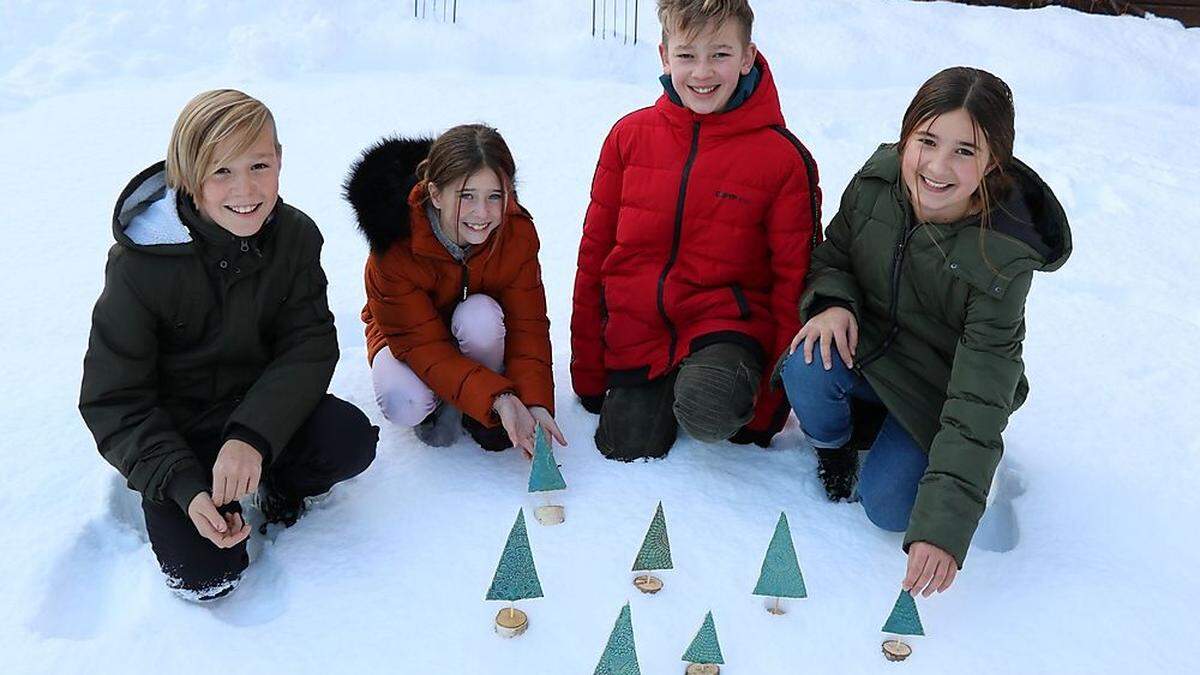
x=378 y=186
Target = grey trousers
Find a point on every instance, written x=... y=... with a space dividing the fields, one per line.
x=711 y=395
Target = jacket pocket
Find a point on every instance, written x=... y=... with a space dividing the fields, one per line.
x=743 y=305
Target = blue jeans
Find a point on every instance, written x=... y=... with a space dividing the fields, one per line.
x=887 y=482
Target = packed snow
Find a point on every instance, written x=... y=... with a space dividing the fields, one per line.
x=389 y=572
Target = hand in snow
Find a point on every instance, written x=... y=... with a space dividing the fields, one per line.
x=546 y=420
x=517 y=422
x=223 y=530
x=835 y=326
x=236 y=472
x=929 y=569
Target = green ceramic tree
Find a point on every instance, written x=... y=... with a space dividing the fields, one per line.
x=516 y=577
x=620 y=654
x=904 y=619
x=544 y=475
x=655 y=553
x=705 y=648
x=780 y=576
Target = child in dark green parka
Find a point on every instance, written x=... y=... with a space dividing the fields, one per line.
x=916 y=307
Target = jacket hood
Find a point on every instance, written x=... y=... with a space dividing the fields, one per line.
x=146 y=217
x=1030 y=213
x=760 y=107
x=378 y=188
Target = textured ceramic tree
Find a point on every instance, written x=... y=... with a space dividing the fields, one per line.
x=780 y=576
x=620 y=654
x=516 y=578
x=655 y=553
x=904 y=620
x=544 y=477
x=705 y=649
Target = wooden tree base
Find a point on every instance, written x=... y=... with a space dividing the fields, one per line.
x=551 y=514
x=648 y=584
x=896 y=650
x=774 y=608
x=511 y=622
x=703 y=669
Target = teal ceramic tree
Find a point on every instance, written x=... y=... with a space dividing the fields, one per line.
x=705 y=648
x=655 y=553
x=516 y=577
x=544 y=475
x=904 y=619
x=780 y=576
x=620 y=654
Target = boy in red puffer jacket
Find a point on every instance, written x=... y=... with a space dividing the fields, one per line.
x=704 y=211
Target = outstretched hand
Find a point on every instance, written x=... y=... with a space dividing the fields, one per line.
x=517 y=421
x=546 y=421
x=223 y=530
x=929 y=569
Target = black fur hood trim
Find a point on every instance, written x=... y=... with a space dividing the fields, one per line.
x=378 y=186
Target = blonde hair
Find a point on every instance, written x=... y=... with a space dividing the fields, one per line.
x=689 y=17
x=204 y=123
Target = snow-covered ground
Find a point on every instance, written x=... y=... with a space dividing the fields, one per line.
x=388 y=574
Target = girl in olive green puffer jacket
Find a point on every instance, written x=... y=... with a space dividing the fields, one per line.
x=916 y=305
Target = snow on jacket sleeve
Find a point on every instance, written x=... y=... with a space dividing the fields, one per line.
x=305 y=354
x=793 y=218
x=987 y=366
x=419 y=338
x=119 y=395
x=527 y=354
x=599 y=232
x=830 y=277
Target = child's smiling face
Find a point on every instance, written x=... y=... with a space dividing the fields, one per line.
x=470 y=210
x=943 y=162
x=705 y=67
x=239 y=194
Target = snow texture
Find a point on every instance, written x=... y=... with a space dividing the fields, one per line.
x=1097 y=499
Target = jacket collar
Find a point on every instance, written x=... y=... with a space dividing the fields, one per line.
x=758 y=107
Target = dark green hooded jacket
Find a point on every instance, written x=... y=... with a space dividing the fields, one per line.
x=202 y=336
x=941 y=315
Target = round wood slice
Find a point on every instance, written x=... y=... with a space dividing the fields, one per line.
x=550 y=514
x=777 y=611
x=648 y=584
x=511 y=625
x=896 y=650
x=703 y=669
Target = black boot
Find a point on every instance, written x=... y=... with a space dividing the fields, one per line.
x=838 y=467
x=492 y=439
x=278 y=506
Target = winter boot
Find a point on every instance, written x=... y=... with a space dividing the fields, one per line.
x=838 y=467
x=441 y=428
x=492 y=439
x=278 y=506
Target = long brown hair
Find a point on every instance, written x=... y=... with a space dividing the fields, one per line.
x=462 y=151
x=989 y=103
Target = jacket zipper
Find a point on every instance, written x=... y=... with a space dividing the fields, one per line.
x=894 y=307
x=465 y=277
x=662 y=279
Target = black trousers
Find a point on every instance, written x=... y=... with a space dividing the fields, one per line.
x=711 y=395
x=335 y=443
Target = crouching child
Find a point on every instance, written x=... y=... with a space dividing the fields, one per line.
x=212 y=345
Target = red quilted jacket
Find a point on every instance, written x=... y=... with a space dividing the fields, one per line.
x=699 y=230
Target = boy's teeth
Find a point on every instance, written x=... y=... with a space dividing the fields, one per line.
x=704 y=90
x=934 y=183
x=242 y=209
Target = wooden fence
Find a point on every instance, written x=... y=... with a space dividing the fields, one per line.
x=1187 y=11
